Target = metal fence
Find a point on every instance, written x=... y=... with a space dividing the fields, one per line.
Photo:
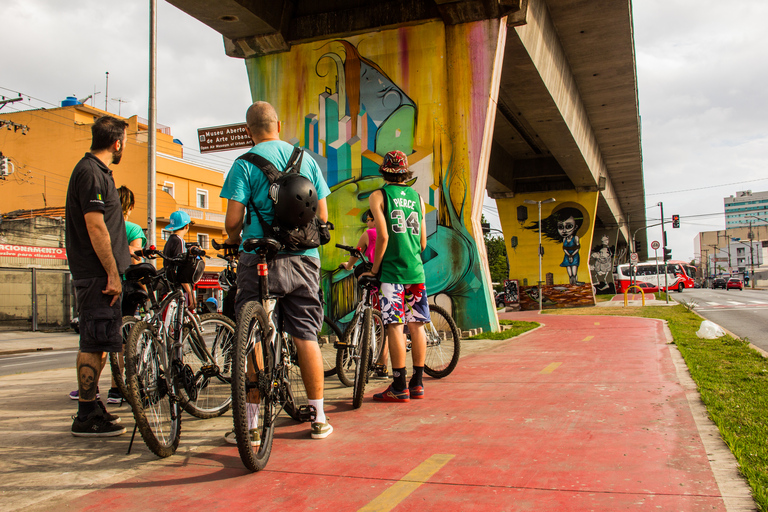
x=35 y=298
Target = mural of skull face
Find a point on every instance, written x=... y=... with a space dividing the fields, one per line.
x=566 y=227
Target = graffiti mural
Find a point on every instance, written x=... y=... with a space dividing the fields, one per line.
x=566 y=237
x=349 y=102
x=601 y=265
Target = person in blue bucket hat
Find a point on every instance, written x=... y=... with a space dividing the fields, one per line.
x=175 y=246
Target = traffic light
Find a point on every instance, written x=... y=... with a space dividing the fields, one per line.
x=667 y=254
x=675 y=221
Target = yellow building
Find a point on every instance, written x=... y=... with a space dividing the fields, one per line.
x=44 y=152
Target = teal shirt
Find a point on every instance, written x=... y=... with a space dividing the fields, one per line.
x=134 y=232
x=245 y=180
x=402 y=263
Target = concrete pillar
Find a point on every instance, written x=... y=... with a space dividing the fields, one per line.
x=426 y=89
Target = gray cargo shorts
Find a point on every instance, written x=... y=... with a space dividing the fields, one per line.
x=293 y=277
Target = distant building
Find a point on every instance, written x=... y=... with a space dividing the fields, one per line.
x=42 y=147
x=745 y=209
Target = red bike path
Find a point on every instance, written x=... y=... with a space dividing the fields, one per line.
x=584 y=413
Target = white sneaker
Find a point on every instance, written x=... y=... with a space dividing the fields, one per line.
x=321 y=430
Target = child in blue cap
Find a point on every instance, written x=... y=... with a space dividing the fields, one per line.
x=175 y=246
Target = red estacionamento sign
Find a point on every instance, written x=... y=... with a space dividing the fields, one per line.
x=28 y=251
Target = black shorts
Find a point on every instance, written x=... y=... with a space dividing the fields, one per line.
x=99 y=322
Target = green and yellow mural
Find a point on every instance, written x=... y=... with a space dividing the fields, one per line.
x=566 y=237
x=424 y=90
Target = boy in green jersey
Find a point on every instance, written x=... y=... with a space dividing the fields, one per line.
x=398 y=213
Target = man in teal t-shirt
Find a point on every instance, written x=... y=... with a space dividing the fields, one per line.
x=398 y=212
x=295 y=276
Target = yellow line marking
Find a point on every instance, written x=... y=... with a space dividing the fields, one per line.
x=552 y=367
x=597 y=323
x=588 y=338
x=401 y=489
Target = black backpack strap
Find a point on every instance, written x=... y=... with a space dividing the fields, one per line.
x=294 y=163
x=271 y=173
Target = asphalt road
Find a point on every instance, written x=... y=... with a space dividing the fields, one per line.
x=37 y=361
x=744 y=313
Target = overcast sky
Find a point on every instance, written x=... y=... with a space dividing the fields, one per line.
x=701 y=68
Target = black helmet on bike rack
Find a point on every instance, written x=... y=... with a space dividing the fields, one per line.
x=295 y=200
x=227 y=279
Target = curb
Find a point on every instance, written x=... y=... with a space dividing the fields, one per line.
x=24 y=351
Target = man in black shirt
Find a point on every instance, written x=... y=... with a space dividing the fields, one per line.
x=97 y=252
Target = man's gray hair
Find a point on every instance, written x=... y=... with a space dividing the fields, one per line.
x=261 y=117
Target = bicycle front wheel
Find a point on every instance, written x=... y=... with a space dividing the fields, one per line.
x=152 y=391
x=346 y=355
x=329 y=336
x=116 y=363
x=253 y=372
x=210 y=359
x=443 y=343
x=362 y=369
x=295 y=392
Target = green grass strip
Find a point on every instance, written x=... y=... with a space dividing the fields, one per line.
x=733 y=382
x=517 y=329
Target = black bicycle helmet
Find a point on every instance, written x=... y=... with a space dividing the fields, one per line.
x=295 y=200
x=227 y=279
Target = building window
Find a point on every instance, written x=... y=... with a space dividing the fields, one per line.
x=202 y=199
x=165 y=234
x=202 y=239
x=168 y=187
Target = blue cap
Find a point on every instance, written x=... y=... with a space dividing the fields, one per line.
x=179 y=219
x=212 y=300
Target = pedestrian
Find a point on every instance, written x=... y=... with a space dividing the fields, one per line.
x=398 y=213
x=97 y=252
x=294 y=276
x=136 y=241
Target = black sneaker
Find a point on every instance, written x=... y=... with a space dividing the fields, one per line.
x=113 y=418
x=95 y=425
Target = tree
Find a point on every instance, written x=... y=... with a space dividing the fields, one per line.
x=496 y=249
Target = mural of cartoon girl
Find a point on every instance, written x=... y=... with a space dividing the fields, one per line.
x=562 y=226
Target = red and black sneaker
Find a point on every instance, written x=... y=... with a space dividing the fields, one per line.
x=416 y=392
x=391 y=395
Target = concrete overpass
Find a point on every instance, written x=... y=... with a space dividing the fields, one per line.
x=562 y=117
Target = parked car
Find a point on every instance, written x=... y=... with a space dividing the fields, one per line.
x=718 y=282
x=734 y=282
x=500 y=299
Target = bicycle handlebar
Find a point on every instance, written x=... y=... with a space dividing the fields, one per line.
x=153 y=253
x=353 y=251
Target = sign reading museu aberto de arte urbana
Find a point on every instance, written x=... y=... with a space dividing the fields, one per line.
x=223 y=138
x=28 y=251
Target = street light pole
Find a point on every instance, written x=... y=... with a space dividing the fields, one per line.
x=541 y=251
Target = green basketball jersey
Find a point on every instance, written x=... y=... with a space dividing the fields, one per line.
x=402 y=263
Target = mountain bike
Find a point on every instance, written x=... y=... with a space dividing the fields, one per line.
x=265 y=369
x=364 y=337
x=329 y=335
x=175 y=359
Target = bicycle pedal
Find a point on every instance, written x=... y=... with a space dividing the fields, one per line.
x=210 y=370
x=307 y=413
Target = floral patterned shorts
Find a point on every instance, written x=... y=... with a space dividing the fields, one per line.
x=404 y=303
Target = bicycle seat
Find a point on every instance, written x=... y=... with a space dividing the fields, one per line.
x=266 y=246
x=139 y=271
x=366 y=281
